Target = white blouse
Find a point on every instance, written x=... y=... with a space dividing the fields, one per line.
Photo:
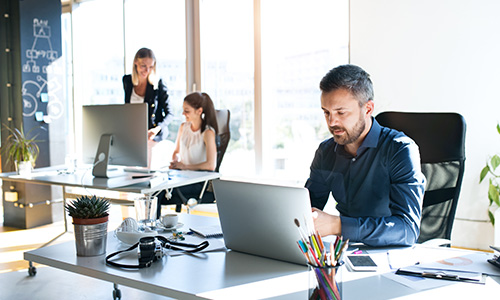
x=191 y=145
x=134 y=98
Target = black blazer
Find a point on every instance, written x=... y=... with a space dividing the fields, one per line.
x=157 y=101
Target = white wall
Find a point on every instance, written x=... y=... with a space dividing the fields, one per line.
x=438 y=55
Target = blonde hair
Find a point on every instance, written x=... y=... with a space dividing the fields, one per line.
x=144 y=53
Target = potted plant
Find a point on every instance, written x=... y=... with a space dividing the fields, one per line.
x=494 y=184
x=21 y=150
x=90 y=219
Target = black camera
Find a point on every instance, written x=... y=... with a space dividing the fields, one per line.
x=150 y=250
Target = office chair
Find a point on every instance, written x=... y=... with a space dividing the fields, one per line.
x=222 y=140
x=441 y=140
x=224 y=135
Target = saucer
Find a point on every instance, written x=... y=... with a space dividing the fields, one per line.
x=159 y=225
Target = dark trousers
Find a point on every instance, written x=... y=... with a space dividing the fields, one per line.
x=182 y=194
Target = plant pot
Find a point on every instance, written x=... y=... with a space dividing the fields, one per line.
x=24 y=168
x=90 y=236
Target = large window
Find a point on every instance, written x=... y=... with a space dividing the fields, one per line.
x=227 y=69
x=300 y=43
x=275 y=131
x=160 y=26
x=104 y=49
x=98 y=52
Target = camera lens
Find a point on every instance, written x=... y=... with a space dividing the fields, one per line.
x=146 y=250
x=147 y=241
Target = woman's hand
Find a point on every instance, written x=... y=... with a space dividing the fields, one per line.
x=153 y=132
x=175 y=164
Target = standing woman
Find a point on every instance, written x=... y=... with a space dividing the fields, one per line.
x=195 y=147
x=142 y=87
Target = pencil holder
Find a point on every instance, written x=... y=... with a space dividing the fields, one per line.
x=325 y=282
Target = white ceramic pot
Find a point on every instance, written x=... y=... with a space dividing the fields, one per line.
x=24 y=168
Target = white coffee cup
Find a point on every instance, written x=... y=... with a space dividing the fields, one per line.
x=169 y=220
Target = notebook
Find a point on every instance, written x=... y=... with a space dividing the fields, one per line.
x=207 y=231
x=258 y=219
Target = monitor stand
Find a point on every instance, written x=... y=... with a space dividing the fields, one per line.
x=101 y=160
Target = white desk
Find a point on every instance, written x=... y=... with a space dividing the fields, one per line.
x=199 y=276
x=233 y=275
x=83 y=178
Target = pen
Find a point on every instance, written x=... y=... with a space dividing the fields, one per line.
x=321 y=244
x=356 y=251
x=337 y=246
x=302 y=249
x=389 y=260
x=342 y=249
x=315 y=245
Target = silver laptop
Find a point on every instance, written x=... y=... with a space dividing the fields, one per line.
x=259 y=219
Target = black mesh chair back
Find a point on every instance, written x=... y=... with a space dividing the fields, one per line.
x=223 y=136
x=441 y=140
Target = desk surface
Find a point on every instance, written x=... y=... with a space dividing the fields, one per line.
x=212 y=275
x=234 y=275
x=83 y=178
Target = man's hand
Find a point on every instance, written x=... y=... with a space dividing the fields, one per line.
x=326 y=224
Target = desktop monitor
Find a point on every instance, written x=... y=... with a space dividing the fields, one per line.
x=115 y=135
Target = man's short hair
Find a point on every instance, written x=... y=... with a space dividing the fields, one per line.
x=349 y=77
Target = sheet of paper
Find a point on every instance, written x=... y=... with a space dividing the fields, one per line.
x=475 y=262
x=417 y=283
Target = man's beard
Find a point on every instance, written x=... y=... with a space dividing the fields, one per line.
x=349 y=136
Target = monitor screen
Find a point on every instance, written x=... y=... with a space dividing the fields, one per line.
x=126 y=125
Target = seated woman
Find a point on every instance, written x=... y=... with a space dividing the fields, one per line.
x=195 y=148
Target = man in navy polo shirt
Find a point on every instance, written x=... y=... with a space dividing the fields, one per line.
x=373 y=172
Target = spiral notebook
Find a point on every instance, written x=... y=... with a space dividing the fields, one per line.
x=208 y=231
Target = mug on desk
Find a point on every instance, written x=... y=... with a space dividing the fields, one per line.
x=169 y=220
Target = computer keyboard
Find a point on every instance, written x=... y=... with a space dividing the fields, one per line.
x=139 y=170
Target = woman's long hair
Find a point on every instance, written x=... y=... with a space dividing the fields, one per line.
x=144 y=53
x=208 y=117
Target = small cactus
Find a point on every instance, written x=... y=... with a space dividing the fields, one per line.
x=86 y=207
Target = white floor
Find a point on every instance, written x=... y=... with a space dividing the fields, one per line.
x=53 y=284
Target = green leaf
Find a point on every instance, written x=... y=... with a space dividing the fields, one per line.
x=498 y=127
x=495 y=162
x=492 y=217
x=493 y=194
x=484 y=172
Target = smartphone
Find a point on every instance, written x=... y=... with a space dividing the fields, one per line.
x=361 y=262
